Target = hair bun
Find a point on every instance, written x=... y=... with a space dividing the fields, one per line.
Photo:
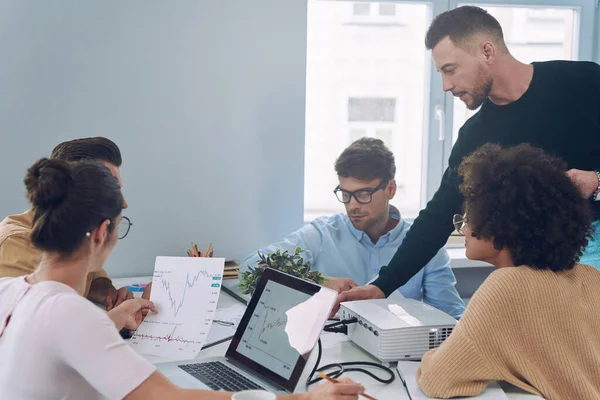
x=48 y=182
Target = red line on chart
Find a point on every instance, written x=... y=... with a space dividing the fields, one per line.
x=169 y=338
x=167 y=286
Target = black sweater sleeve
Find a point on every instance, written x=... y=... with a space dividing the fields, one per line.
x=429 y=231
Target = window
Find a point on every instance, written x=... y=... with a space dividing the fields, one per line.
x=368 y=74
x=387 y=9
x=356 y=134
x=361 y=9
x=363 y=81
x=371 y=109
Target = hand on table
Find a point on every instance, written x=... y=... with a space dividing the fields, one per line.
x=357 y=293
x=344 y=389
x=340 y=284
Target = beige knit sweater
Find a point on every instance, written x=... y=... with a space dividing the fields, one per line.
x=538 y=330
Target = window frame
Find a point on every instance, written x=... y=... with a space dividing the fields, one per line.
x=438 y=112
x=584 y=43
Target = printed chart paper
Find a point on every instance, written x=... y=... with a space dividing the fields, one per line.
x=185 y=291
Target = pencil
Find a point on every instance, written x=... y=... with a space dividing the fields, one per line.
x=330 y=379
x=195 y=249
x=207 y=250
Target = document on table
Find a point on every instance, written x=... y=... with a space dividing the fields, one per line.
x=185 y=290
x=408 y=374
x=225 y=324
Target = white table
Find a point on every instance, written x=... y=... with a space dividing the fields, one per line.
x=336 y=348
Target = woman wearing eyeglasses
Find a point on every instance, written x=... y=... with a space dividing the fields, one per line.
x=535 y=321
x=55 y=344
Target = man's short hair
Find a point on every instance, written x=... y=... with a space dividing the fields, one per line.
x=94 y=149
x=460 y=24
x=366 y=159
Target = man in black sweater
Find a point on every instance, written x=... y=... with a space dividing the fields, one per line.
x=552 y=105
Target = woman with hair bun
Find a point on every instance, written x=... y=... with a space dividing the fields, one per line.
x=55 y=344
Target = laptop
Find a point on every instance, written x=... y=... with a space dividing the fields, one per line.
x=272 y=343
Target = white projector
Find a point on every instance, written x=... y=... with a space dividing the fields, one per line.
x=398 y=329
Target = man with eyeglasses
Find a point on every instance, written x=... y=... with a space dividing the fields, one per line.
x=19 y=257
x=351 y=247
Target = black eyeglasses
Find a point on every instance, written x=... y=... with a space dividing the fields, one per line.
x=459 y=222
x=362 y=196
x=124 y=226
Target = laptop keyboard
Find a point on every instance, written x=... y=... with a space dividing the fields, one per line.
x=218 y=376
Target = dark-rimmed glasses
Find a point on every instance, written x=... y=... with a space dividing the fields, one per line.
x=459 y=221
x=124 y=227
x=362 y=196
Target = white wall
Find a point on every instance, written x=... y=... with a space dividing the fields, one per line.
x=205 y=99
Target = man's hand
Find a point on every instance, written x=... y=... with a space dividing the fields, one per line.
x=130 y=314
x=345 y=389
x=146 y=296
x=116 y=297
x=147 y=290
x=357 y=293
x=586 y=181
x=340 y=284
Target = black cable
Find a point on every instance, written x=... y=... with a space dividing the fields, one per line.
x=340 y=368
x=340 y=322
x=320 y=352
x=338 y=329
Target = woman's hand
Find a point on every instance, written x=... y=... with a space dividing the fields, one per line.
x=130 y=313
x=344 y=389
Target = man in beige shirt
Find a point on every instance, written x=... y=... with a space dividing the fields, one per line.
x=19 y=257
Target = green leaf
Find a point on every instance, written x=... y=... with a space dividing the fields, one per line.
x=292 y=264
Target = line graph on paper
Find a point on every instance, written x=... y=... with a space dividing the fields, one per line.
x=175 y=303
x=265 y=340
x=185 y=291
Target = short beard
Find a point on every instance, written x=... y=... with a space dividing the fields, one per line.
x=484 y=85
x=369 y=224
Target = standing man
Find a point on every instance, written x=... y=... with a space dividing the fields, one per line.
x=552 y=105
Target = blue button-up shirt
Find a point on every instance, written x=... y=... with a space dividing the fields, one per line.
x=338 y=249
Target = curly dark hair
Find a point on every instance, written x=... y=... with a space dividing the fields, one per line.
x=521 y=199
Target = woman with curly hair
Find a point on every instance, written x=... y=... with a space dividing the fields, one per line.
x=535 y=321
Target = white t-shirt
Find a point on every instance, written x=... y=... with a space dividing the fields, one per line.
x=58 y=345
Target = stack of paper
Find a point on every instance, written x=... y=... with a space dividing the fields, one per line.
x=225 y=324
x=408 y=373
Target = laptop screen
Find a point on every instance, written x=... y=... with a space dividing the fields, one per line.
x=280 y=326
x=265 y=340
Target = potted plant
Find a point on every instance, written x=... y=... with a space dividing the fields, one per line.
x=292 y=264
